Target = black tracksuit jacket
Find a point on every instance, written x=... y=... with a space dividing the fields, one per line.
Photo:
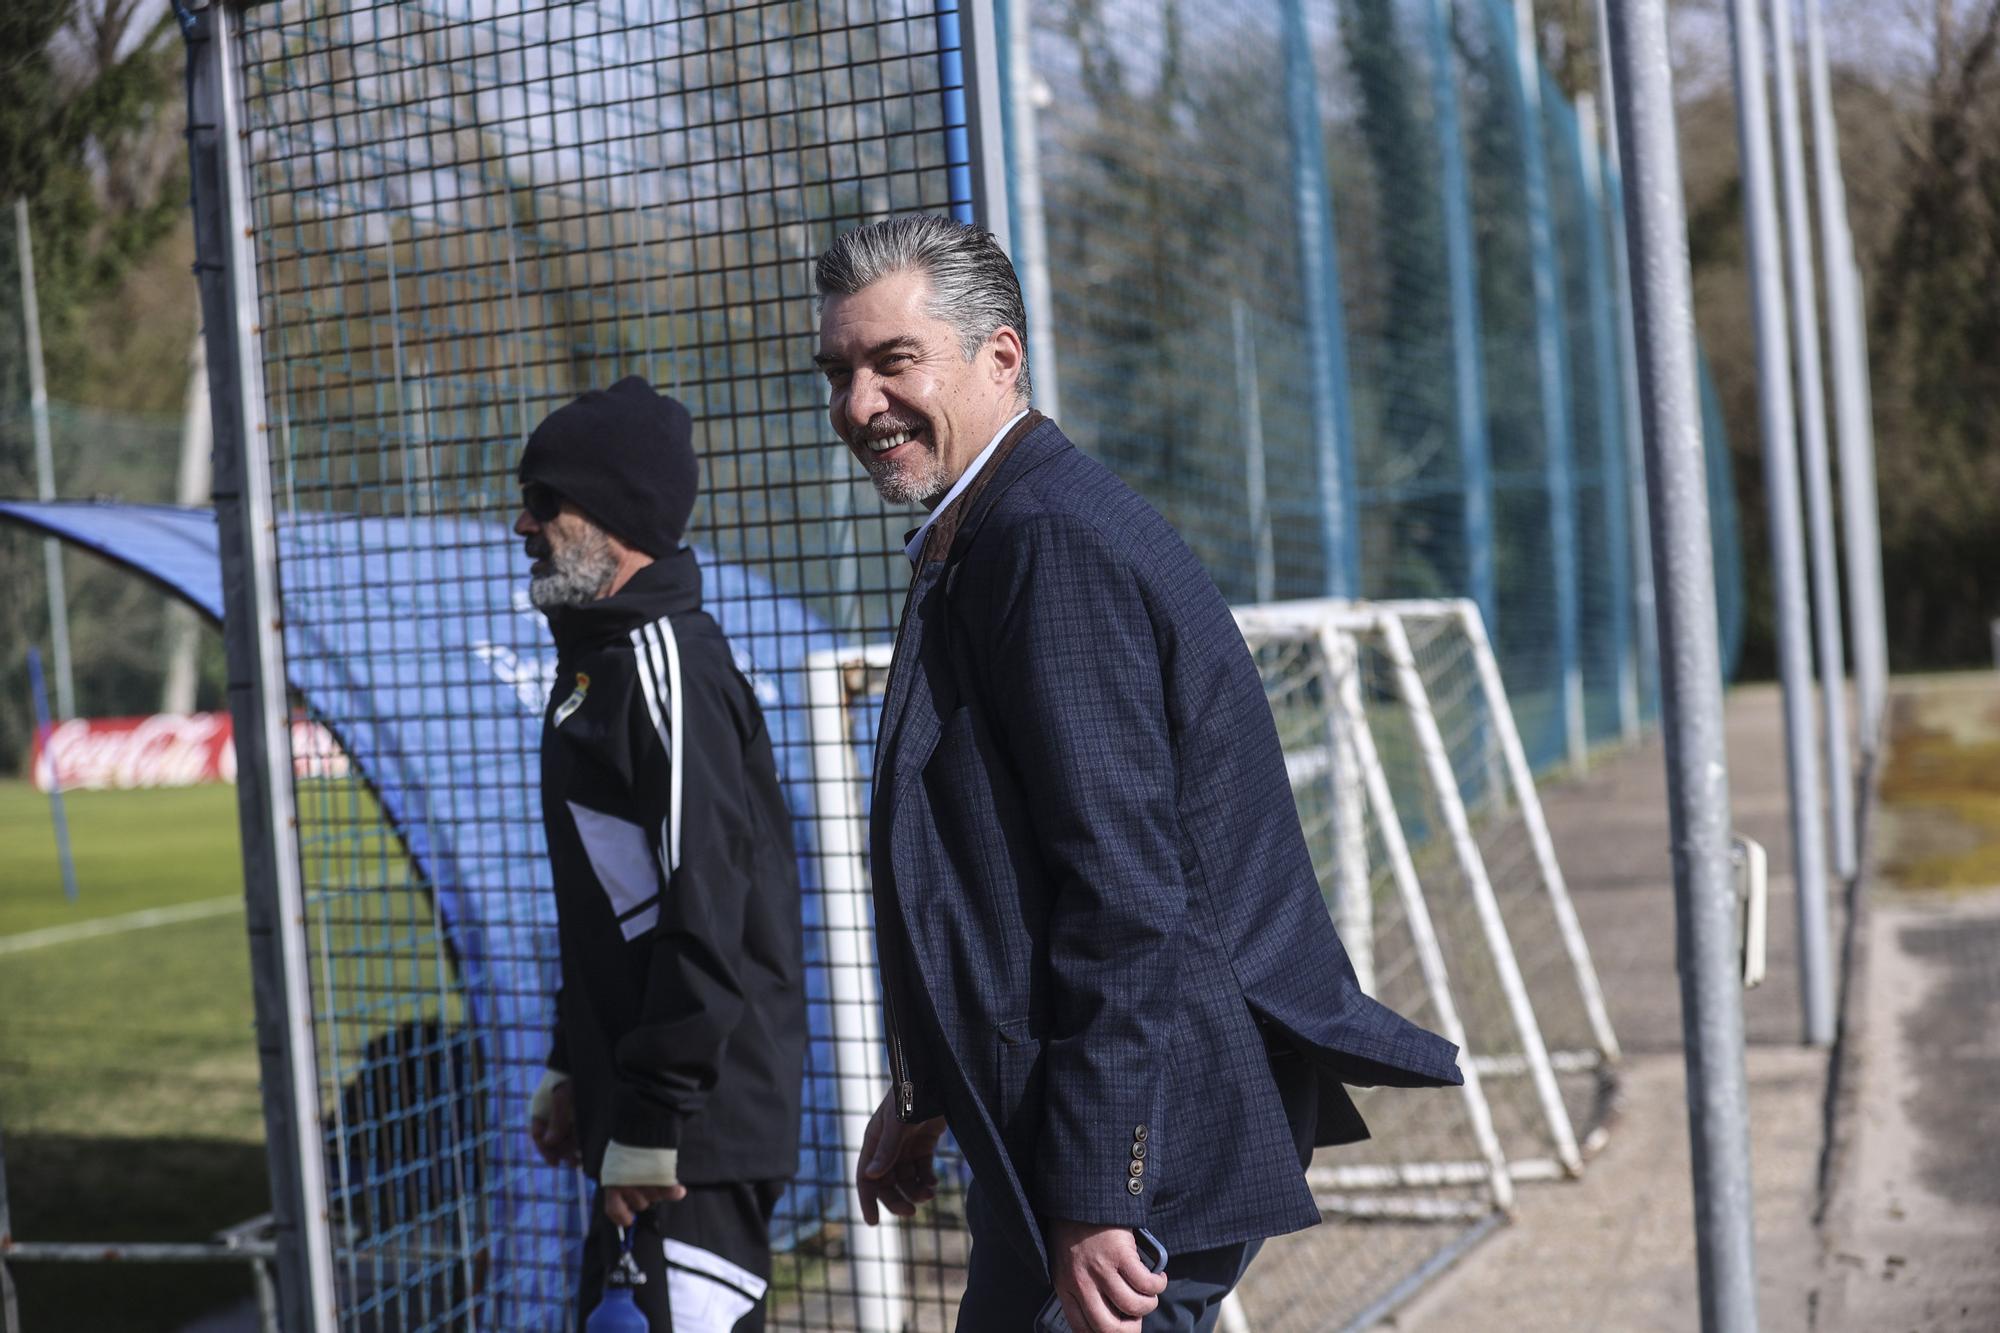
x=681 y=1017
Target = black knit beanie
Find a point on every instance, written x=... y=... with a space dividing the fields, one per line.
x=625 y=456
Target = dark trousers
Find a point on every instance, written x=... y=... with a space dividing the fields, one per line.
x=707 y=1259
x=1004 y=1292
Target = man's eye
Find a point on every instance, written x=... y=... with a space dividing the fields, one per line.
x=895 y=361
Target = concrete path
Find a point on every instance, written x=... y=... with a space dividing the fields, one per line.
x=1615 y=1251
x=1913 y=1223
x=1905 y=1232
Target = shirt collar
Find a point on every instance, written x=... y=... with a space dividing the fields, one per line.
x=914 y=547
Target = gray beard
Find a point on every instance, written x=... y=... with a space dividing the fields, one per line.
x=917 y=484
x=581 y=574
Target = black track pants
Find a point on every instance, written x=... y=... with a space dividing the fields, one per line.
x=707 y=1259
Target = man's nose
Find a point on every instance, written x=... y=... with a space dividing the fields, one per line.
x=865 y=399
x=525 y=524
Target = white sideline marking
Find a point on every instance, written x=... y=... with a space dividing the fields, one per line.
x=118 y=925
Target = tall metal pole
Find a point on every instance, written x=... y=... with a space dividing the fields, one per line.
x=1607 y=386
x=1326 y=326
x=246 y=520
x=1250 y=411
x=1475 y=465
x=1866 y=502
x=1031 y=240
x=1552 y=363
x=177 y=693
x=1644 y=612
x=1690 y=669
x=1781 y=485
x=45 y=473
x=1846 y=331
x=1813 y=460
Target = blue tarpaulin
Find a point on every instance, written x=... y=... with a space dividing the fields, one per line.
x=413 y=641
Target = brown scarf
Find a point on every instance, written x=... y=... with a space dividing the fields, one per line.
x=937 y=542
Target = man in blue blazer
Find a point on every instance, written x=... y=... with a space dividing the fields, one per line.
x=1105 y=957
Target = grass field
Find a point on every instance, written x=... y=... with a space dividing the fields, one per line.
x=128 y=1078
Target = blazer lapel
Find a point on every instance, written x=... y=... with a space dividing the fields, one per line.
x=904 y=727
x=902 y=670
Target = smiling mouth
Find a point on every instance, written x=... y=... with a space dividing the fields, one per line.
x=882 y=444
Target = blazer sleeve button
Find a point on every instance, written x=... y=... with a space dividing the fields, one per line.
x=1135 y=1185
x=1138 y=1134
x=1138 y=1168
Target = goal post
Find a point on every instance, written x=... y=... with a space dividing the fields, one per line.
x=1457 y=789
x=1437 y=867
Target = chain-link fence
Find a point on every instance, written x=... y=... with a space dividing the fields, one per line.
x=1332 y=283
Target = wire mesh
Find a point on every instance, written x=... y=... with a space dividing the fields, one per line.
x=464 y=217
x=1407 y=1196
x=466 y=214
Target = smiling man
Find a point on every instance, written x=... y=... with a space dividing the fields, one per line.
x=676 y=1066
x=1105 y=957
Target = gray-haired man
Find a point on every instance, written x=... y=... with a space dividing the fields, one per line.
x=1105 y=958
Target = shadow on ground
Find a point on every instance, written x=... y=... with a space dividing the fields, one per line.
x=96 y=1189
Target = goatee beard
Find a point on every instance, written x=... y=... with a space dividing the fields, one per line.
x=580 y=575
x=918 y=483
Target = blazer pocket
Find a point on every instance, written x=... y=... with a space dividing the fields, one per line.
x=1018 y=1071
x=957 y=742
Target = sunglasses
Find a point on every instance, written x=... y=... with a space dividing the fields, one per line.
x=542 y=502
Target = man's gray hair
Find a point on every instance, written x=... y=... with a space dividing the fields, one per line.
x=973 y=287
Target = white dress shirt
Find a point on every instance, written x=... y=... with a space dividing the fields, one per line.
x=914 y=548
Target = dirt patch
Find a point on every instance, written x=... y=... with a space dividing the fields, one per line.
x=1940 y=789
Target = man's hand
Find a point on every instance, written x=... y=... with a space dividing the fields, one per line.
x=554 y=1134
x=895 y=1166
x=1103 y=1284
x=624 y=1203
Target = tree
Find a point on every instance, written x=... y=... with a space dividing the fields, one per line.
x=1936 y=344
x=90 y=136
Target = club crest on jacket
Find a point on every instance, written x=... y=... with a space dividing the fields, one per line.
x=575 y=699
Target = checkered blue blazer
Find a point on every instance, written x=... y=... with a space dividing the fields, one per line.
x=1105 y=954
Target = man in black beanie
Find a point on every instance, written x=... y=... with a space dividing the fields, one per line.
x=675 y=1066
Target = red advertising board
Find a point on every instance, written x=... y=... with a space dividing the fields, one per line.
x=165 y=750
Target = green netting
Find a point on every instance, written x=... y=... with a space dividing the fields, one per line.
x=1478 y=418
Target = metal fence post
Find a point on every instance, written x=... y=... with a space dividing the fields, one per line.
x=1813 y=460
x=1691 y=668
x=1467 y=362
x=1024 y=193
x=978 y=40
x=1552 y=363
x=1250 y=410
x=45 y=471
x=1640 y=544
x=1781 y=483
x=1845 y=330
x=258 y=701
x=1604 y=319
x=1326 y=327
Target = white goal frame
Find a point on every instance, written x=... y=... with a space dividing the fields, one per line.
x=839 y=679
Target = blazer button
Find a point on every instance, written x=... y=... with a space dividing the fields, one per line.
x=1138 y=1150
x=1138 y=1134
x=1135 y=1186
x=1138 y=1169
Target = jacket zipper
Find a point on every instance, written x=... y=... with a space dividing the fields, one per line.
x=899 y=1068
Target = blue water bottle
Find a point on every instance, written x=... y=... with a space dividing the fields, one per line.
x=619 y=1312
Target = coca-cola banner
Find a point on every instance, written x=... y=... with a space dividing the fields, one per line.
x=165 y=750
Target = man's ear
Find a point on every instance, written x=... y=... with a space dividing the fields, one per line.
x=1008 y=353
